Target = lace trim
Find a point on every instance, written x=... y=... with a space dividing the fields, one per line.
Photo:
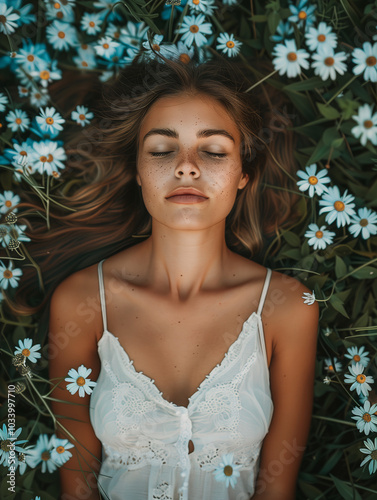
x=245 y=455
x=146 y=452
x=230 y=357
x=163 y=492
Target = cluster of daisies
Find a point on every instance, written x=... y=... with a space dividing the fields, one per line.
x=364 y=414
x=339 y=209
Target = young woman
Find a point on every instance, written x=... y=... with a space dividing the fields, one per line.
x=203 y=357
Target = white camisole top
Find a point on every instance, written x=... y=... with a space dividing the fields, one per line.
x=145 y=438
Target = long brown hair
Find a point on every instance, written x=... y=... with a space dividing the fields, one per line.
x=104 y=210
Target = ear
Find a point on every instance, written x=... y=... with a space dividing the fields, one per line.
x=138 y=179
x=243 y=181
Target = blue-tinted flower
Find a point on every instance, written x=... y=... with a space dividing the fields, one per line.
x=81 y=115
x=106 y=9
x=283 y=30
x=9 y=442
x=339 y=207
x=313 y=181
x=49 y=157
x=3 y=101
x=47 y=73
x=230 y=2
x=85 y=58
x=79 y=381
x=166 y=11
x=328 y=64
x=332 y=365
x=365 y=61
x=167 y=50
x=228 y=44
x=59 y=451
x=288 y=59
x=17 y=120
x=106 y=47
x=365 y=222
x=309 y=298
x=227 y=471
x=302 y=14
x=50 y=120
x=23 y=91
x=322 y=36
x=207 y=7
x=8 y=200
x=359 y=381
x=61 y=36
x=367 y=125
x=27 y=349
x=371 y=451
x=39 y=97
x=31 y=56
x=60 y=11
x=24 y=12
x=9 y=19
x=133 y=34
x=319 y=237
x=358 y=355
x=41 y=453
x=193 y=29
x=9 y=276
x=366 y=419
x=15 y=232
x=91 y=23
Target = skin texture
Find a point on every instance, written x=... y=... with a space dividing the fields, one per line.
x=178 y=300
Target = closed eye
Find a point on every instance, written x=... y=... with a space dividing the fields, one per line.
x=163 y=153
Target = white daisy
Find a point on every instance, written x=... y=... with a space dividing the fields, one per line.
x=371 y=451
x=41 y=453
x=167 y=50
x=18 y=120
x=27 y=349
x=49 y=157
x=312 y=181
x=47 y=74
x=8 y=19
x=59 y=451
x=79 y=381
x=328 y=64
x=194 y=29
x=81 y=115
x=23 y=91
x=358 y=355
x=288 y=59
x=8 y=200
x=319 y=237
x=205 y=6
x=327 y=380
x=365 y=61
x=9 y=276
x=322 y=36
x=366 y=417
x=333 y=366
x=283 y=30
x=359 y=381
x=12 y=232
x=91 y=23
x=228 y=44
x=50 y=120
x=302 y=14
x=339 y=207
x=309 y=298
x=106 y=47
x=39 y=97
x=133 y=34
x=9 y=443
x=61 y=36
x=367 y=125
x=86 y=57
x=365 y=222
x=227 y=471
x=3 y=101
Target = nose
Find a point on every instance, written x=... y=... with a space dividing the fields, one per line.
x=187 y=168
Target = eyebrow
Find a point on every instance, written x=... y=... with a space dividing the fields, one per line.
x=168 y=132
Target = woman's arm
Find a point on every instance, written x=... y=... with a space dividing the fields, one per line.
x=294 y=326
x=72 y=342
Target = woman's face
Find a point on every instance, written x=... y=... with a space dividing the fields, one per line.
x=189 y=142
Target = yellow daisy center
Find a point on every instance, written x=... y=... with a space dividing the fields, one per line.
x=43 y=159
x=361 y=378
x=339 y=206
x=312 y=179
x=194 y=28
x=57 y=5
x=373 y=455
x=60 y=14
x=330 y=368
x=292 y=56
x=371 y=61
x=55 y=174
x=23 y=153
x=116 y=34
x=196 y=2
x=363 y=222
x=61 y=34
x=45 y=75
x=7 y=274
x=5 y=445
x=50 y=158
x=321 y=38
x=8 y=203
x=156 y=47
x=60 y=449
x=18 y=121
x=319 y=234
x=106 y=46
x=84 y=46
x=230 y=44
x=356 y=357
x=25 y=352
x=368 y=124
x=84 y=63
x=228 y=470
x=30 y=58
x=49 y=120
x=185 y=58
x=45 y=455
x=80 y=381
x=91 y=24
x=302 y=14
x=329 y=61
x=367 y=417
x=82 y=117
x=3 y=19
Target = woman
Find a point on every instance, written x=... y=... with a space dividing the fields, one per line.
x=201 y=354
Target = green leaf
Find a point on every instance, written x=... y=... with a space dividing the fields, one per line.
x=367 y=272
x=320 y=152
x=328 y=111
x=292 y=239
x=340 y=267
x=259 y=19
x=346 y=491
x=273 y=21
x=310 y=84
x=336 y=143
x=337 y=304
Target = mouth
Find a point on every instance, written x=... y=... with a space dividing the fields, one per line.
x=187 y=198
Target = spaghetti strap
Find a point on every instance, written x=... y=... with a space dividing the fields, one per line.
x=102 y=294
x=264 y=291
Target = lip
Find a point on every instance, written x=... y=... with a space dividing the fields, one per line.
x=186 y=191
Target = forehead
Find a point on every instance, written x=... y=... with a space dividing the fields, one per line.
x=189 y=113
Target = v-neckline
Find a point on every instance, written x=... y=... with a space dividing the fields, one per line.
x=219 y=367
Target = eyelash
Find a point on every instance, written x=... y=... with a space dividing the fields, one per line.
x=218 y=155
